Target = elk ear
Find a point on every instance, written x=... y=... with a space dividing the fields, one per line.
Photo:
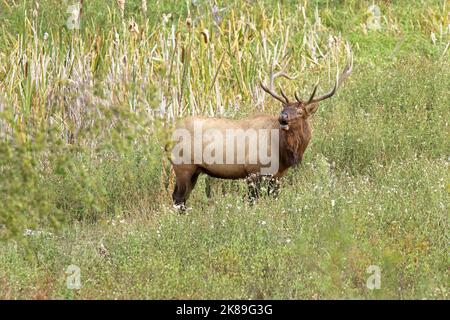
x=311 y=109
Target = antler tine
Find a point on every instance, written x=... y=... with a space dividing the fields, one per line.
x=273 y=94
x=297 y=98
x=339 y=80
x=284 y=75
x=284 y=96
x=347 y=71
x=313 y=93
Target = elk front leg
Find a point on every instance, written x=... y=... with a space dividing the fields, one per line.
x=178 y=195
x=254 y=187
x=274 y=187
x=185 y=182
x=208 y=187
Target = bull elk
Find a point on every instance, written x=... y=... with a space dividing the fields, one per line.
x=290 y=128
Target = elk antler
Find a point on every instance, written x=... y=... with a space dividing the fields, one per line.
x=274 y=94
x=283 y=98
x=339 y=80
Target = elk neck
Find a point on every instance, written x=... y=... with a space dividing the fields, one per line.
x=293 y=143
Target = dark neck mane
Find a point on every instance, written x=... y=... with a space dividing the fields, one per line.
x=292 y=145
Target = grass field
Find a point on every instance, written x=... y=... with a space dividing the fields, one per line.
x=84 y=181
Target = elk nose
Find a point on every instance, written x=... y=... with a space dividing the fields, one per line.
x=283 y=117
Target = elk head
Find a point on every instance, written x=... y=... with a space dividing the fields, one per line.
x=299 y=110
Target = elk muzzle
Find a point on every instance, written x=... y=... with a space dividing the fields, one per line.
x=283 y=119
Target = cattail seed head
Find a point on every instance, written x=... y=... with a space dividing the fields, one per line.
x=205 y=34
x=133 y=26
x=121 y=4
